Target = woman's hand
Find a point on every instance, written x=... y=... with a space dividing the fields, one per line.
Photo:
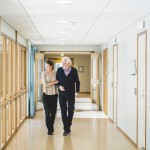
x=56 y=81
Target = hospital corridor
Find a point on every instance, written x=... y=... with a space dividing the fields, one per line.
x=74 y=75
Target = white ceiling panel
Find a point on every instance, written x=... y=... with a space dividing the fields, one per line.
x=11 y=8
x=24 y=26
x=83 y=21
x=116 y=17
x=77 y=6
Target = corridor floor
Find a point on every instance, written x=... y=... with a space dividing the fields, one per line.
x=87 y=134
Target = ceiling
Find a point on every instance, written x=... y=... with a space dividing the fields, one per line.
x=71 y=22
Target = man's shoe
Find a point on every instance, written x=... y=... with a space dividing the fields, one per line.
x=66 y=133
x=50 y=133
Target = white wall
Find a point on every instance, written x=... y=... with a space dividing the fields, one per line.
x=127 y=47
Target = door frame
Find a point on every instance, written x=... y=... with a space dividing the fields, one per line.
x=105 y=98
x=95 y=81
x=115 y=121
x=37 y=82
x=138 y=35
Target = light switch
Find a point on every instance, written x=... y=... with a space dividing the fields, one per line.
x=135 y=91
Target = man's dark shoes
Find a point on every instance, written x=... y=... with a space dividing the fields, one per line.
x=50 y=133
x=66 y=133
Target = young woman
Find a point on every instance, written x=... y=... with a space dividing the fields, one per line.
x=49 y=95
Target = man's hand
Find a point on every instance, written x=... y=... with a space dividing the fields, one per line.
x=76 y=94
x=61 y=88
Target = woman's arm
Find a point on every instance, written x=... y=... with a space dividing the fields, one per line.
x=44 y=82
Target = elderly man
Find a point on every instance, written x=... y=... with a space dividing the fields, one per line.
x=69 y=87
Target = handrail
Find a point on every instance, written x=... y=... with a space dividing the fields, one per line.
x=9 y=100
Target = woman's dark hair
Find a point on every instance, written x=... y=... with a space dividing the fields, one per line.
x=51 y=63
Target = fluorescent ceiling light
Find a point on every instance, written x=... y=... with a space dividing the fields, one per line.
x=72 y=23
x=62 y=39
x=63 y=21
x=62 y=43
x=62 y=32
x=66 y=2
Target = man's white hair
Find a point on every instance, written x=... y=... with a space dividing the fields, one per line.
x=67 y=60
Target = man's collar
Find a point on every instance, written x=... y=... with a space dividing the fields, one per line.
x=68 y=68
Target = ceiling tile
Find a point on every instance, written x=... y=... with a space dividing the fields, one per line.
x=89 y=22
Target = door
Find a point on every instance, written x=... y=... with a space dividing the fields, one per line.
x=115 y=82
x=148 y=127
x=95 y=89
x=141 y=88
x=105 y=81
x=39 y=67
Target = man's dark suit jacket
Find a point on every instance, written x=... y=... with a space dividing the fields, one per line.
x=70 y=82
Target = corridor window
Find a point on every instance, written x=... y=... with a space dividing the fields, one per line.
x=8 y=66
x=2 y=45
x=12 y=74
x=13 y=62
x=23 y=68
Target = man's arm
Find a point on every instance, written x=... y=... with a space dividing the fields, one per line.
x=77 y=82
x=60 y=87
x=57 y=77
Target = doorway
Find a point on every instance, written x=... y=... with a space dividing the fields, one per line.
x=95 y=82
x=39 y=67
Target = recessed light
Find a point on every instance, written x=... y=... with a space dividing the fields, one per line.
x=63 y=21
x=62 y=43
x=66 y=2
x=72 y=23
x=62 y=39
x=62 y=32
